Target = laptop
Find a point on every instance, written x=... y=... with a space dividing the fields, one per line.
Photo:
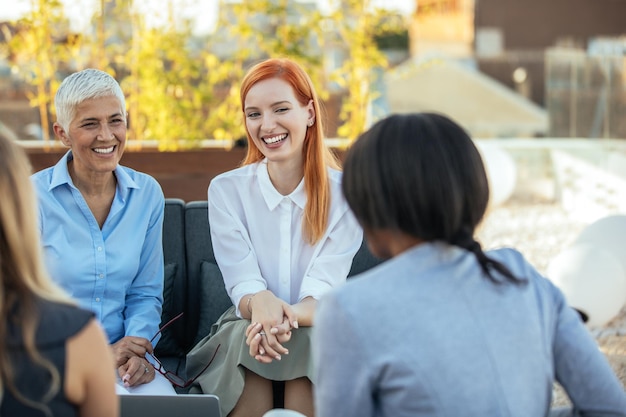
x=183 y=405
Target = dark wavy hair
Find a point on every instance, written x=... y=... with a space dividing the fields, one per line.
x=421 y=174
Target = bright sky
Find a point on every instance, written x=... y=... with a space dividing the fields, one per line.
x=204 y=11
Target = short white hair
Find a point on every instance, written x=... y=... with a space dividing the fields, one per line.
x=84 y=85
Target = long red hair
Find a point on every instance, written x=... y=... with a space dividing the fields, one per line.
x=316 y=155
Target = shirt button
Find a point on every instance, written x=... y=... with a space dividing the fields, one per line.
x=99 y=248
x=98 y=299
x=101 y=276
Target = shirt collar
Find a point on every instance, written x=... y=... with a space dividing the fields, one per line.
x=271 y=196
x=61 y=175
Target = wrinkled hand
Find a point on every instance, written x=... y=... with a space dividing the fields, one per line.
x=136 y=371
x=129 y=347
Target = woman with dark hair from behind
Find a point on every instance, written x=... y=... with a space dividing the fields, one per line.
x=54 y=358
x=443 y=328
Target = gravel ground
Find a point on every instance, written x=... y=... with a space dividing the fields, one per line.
x=541 y=230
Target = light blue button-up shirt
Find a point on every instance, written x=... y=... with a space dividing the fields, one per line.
x=116 y=271
x=427 y=334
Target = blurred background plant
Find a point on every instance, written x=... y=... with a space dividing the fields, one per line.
x=183 y=88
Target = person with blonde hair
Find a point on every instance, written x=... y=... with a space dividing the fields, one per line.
x=47 y=344
x=101 y=226
x=283 y=236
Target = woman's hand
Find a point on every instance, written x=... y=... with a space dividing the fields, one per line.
x=136 y=371
x=271 y=326
x=283 y=330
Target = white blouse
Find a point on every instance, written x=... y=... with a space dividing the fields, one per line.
x=258 y=238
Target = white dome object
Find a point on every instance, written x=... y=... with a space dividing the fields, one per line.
x=609 y=234
x=501 y=172
x=616 y=163
x=279 y=412
x=592 y=280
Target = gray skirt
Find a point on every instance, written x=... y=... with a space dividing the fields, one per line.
x=225 y=376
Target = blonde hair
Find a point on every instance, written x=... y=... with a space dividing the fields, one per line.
x=22 y=274
x=316 y=155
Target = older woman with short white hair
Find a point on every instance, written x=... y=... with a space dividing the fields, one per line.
x=101 y=225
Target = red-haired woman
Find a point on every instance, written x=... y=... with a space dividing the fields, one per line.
x=283 y=236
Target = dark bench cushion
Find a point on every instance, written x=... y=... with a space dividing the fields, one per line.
x=363 y=260
x=175 y=279
x=207 y=298
x=211 y=288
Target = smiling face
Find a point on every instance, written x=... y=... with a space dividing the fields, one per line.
x=276 y=121
x=96 y=135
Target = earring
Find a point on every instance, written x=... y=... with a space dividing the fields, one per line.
x=310 y=123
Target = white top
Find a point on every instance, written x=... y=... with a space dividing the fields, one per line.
x=258 y=238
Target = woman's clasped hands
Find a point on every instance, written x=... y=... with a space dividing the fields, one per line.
x=271 y=323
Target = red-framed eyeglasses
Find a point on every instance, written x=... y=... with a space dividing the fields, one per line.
x=171 y=376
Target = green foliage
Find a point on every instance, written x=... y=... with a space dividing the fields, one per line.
x=34 y=50
x=358 y=27
x=180 y=89
x=166 y=88
x=225 y=119
x=270 y=28
x=392 y=33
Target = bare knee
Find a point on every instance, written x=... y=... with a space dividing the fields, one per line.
x=256 y=398
x=299 y=396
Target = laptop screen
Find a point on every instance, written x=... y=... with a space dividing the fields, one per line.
x=187 y=405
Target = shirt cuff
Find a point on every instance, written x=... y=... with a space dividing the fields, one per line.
x=313 y=288
x=244 y=288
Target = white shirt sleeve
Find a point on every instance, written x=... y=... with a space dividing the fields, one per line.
x=233 y=249
x=331 y=265
x=258 y=240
